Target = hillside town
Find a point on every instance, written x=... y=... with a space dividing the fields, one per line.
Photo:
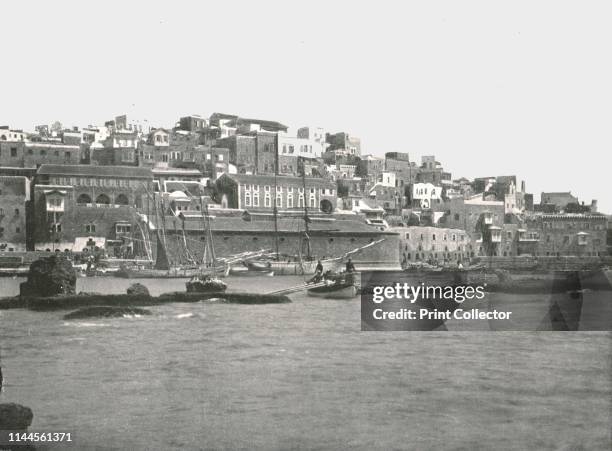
x=109 y=188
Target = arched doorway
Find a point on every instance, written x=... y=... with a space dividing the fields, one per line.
x=326 y=206
x=121 y=199
x=84 y=199
x=103 y=199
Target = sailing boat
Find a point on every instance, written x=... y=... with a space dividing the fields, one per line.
x=298 y=265
x=163 y=267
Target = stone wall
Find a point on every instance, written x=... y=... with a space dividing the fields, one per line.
x=323 y=245
x=14 y=196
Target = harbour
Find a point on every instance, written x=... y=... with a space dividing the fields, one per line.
x=199 y=375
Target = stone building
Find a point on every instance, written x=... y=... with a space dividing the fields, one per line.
x=433 y=244
x=406 y=172
x=370 y=167
x=192 y=123
x=266 y=147
x=14 y=203
x=431 y=171
x=258 y=192
x=389 y=198
x=580 y=235
x=242 y=152
x=465 y=213
x=328 y=237
x=120 y=148
x=27 y=154
x=342 y=144
x=254 y=153
x=73 y=202
x=558 y=199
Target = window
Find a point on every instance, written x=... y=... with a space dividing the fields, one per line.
x=407 y=236
x=90 y=228
x=433 y=237
x=17 y=211
x=289 y=200
x=255 y=199
x=247 y=199
x=17 y=230
x=267 y=200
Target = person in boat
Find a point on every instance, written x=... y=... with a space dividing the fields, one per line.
x=319 y=268
x=318 y=275
x=350 y=267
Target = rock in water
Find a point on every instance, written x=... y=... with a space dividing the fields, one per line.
x=106 y=312
x=206 y=284
x=138 y=289
x=14 y=417
x=50 y=276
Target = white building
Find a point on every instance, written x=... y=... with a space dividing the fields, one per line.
x=426 y=193
x=299 y=147
x=387 y=178
x=6 y=134
x=514 y=201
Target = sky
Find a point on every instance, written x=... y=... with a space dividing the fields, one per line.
x=490 y=88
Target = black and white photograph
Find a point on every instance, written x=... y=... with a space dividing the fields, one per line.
x=325 y=225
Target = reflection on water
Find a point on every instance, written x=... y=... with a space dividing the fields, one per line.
x=299 y=375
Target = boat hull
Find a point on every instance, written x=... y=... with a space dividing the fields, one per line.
x=128 y=273
x=345 y=291
x=246 y=272
x=281 y=268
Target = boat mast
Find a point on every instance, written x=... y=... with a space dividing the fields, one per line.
x=209 y=242
x=275 y=210
x=305 y=209
x=204 y=231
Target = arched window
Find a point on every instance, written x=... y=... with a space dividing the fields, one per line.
x=121 y=199
x=84 y=199
x=103 y=199
x=326 y=206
